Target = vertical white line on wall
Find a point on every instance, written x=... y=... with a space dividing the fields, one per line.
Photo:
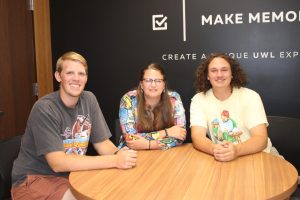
x=183 y=20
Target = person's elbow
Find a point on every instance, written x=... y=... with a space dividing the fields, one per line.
x=261 y=135
x=260 y=142
x=264 y=142
x=56 y=161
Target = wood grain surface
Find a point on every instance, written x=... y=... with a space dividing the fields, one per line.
x=185 y=173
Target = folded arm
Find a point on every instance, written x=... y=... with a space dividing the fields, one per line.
x=161 y=139
x=227 y=151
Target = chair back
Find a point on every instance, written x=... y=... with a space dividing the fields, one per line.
x=9 y=150
x=118 y=132
x=284 y=133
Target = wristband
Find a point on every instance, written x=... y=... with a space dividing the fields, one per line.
x=167 y=135
x=149 y=145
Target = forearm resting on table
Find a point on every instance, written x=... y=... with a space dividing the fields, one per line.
x=200 y=141
x=157 y=134
x=175 y=131
x=203 y=144
x=253 y=145
x=61 y=162
x=154 y=135
x=167 y=139
x=154 y=144
x=105 y=148
x=256 y=143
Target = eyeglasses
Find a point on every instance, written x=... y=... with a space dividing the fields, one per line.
x=156 y=81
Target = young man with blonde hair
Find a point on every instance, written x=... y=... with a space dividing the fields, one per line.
x=59 y=129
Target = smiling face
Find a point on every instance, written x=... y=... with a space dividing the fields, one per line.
x=219 y=73
x=152 y=84
x=72 y=80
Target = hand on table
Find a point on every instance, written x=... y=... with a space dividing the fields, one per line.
x=138 y=142
x=126 y=158
x=177 y=132
x=226 y=151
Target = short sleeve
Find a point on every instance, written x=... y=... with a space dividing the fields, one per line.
x=100 y=130
x=255 y=112
x=127 y=112
x=44 y=123
x=179 y=111
x=197 y=114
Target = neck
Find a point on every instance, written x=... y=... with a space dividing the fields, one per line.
x=69 y=102
x=152 y=101
x=221 y=93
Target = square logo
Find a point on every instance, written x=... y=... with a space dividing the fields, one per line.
x=159 y=22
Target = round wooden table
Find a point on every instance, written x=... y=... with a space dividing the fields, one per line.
x=185 y=173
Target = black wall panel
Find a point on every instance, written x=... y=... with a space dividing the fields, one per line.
x=118 y=39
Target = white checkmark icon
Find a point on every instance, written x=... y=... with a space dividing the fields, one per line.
x=160 y=23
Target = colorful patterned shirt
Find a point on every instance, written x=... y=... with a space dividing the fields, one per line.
x=128 y=119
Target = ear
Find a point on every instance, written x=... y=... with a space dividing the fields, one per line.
x=57 y=76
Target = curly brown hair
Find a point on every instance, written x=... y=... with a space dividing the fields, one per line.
x=202 y=84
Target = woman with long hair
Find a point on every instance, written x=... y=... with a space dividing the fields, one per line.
x=151 y=116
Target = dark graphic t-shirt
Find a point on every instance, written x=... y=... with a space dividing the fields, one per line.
x=52 y=127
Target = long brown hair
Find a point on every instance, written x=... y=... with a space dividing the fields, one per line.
x=161 y=116
x=203 y=85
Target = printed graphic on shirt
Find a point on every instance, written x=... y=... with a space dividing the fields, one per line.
x=128 y=113
x=76 y=139
x=225 y=128
x=127 y=102
x=129 y=117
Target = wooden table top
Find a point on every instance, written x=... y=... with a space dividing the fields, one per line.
x=185 y=173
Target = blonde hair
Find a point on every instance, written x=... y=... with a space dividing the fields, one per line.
x=71 y=55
